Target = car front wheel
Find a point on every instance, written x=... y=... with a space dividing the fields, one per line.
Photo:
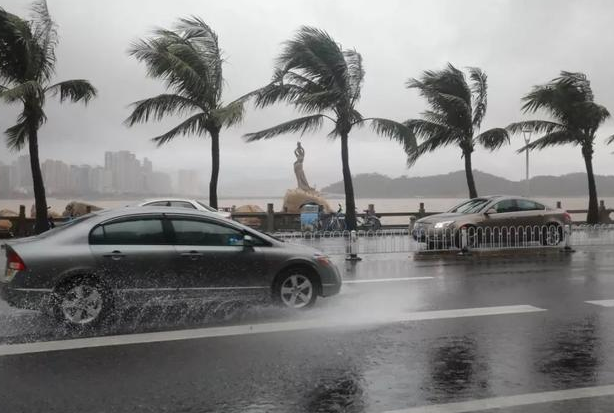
x=552 y=235
x=296 y=288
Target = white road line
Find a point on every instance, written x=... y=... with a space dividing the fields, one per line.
x=512 y=401
x=602 y=303
x=382 y=280
x=12 y=349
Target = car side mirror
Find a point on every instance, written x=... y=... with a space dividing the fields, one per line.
x=248 y=241
x=490 y=211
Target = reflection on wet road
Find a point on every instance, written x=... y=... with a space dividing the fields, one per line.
x=416 y=334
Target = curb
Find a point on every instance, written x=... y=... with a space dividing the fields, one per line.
x=512 y=252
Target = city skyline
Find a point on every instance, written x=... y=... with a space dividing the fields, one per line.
x=122 y=173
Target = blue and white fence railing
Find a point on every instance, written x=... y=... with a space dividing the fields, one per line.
x=464 y=239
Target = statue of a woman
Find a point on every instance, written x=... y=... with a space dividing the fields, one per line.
x=301 y=179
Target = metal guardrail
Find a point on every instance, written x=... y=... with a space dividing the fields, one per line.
x=353 y=243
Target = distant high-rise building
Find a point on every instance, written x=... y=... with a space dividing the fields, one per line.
x=57 y=178
x=147 y=166
x=21 y=175
x=100 y=180
x=5 y=179
x=126 y=172
x=122 y=173
x=188 y=182
x=80 y=178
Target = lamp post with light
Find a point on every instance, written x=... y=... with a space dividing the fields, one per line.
x=526 y=133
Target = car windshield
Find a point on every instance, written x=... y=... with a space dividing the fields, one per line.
x=207 y=207
x=470 y=207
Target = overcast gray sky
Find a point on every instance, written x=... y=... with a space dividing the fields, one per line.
x=519 y=43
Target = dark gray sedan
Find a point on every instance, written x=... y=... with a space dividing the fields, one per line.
x=83 y=269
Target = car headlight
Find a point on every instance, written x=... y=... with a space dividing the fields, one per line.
x=443 y=224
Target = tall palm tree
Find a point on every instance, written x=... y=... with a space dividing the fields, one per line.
x=324 y=82
x=569 y=101
x=27 y=65
x=455 y=116
x=189 y=61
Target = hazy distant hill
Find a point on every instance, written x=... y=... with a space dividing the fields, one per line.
x=454 y=185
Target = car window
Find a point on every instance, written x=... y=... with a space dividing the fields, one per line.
x=526 y=205
x=159 y=203
x=507 y=205
x=207 y=207
x=182 y=204
x=133 y=232
x=198 y=232
x=470 y=207
x=65 y=225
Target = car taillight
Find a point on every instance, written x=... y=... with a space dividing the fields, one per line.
x=14 y=262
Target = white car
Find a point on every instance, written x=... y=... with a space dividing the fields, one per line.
x=186 y=203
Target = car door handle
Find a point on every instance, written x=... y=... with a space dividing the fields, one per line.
x=193 y=255
x=115 y=255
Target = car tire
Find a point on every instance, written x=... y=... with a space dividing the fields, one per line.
x=295 y=288
x=82 y=302
x=552 y=235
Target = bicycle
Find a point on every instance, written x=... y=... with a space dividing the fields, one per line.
x=332 y=222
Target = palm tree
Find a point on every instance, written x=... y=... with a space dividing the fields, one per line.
x=189 y=62
x=27 y=63
x=323 y=81
x=569 y=101
x=455 y=116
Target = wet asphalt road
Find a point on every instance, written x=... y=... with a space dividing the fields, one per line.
x=359 y=356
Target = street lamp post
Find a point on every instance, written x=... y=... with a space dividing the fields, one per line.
x=526 y=133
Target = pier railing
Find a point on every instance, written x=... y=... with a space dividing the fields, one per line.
x=272 y=221
x=462 y=240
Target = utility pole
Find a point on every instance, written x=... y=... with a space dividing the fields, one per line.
x=526 y=133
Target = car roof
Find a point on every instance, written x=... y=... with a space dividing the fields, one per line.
x=168 y=199
x=143 y=210
x=495 y=196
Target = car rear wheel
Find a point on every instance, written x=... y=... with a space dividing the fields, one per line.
x=82 y=302
x=296 y=288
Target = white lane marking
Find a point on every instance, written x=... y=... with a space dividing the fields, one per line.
x=381 y=280
x=512 y=401
x=37 y=290
x=12 y=349
x=602 y=303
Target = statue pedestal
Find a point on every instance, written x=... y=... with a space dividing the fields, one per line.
x=294 y=198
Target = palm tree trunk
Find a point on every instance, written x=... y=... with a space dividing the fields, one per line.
x=215 y=167
x=473 y=193
x=593 y=211
x=350 y=205
x=40 y=199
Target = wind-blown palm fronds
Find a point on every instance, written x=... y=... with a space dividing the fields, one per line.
x=189 y=61
x=27 y=65
x=569 y=101
x=323 y=81
x=456 y=111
